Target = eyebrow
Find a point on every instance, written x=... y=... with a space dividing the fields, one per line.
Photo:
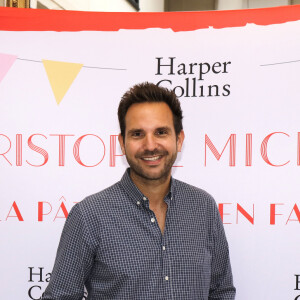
x=166 y=128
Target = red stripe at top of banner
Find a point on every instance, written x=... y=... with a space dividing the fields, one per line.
x=18 y=19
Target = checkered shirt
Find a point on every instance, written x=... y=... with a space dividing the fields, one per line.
x=112 y=244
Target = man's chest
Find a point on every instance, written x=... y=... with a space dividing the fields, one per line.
x=132 y=246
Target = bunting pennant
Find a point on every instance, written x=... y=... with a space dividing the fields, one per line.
x=6 y=61
x=61 y=75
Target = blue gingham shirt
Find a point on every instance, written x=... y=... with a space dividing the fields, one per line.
x=112 y=244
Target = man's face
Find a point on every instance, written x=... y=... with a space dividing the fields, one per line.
x=150 y=142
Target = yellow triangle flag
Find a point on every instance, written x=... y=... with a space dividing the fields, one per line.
x=61 y=75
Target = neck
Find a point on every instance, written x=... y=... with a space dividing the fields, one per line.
x=154 y=190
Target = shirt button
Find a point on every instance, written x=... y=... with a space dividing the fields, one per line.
x=144 y=198
x=164 y=248
x=152 y=220
x=138 y=202
x=166 y=278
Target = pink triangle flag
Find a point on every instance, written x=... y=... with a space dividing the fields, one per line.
x=6 y=61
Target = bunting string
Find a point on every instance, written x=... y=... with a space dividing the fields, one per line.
x=60 y=74
x=90 y=67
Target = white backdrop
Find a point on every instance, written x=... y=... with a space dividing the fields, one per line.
x=242 y=88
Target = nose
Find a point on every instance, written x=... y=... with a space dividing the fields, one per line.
x=150 y=142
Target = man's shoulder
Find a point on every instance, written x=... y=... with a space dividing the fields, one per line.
x=188 y=188
x=195 y=194
x=102 y=199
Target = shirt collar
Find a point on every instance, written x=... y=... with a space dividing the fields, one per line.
x=135 y=194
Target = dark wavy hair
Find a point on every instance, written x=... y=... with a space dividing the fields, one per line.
x=149 y=92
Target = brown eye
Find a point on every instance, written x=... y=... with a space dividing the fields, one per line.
x=136 y=134
x=161 y=132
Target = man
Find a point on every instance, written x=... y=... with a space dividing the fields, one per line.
x=149 y=236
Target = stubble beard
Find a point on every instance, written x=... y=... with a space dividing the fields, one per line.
x=144 y=174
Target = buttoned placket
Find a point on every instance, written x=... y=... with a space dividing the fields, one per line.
x=163 y=244
x=141 y=201
x=165 y=254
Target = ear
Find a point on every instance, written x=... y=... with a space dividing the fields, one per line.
x=180 y=139
x=121 y=141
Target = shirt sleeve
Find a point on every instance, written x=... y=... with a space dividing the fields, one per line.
x=221 y=286
x=74 y=260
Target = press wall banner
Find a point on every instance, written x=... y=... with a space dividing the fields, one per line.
x=236 y=73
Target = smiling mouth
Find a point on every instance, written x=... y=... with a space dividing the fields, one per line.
x=153 y=158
